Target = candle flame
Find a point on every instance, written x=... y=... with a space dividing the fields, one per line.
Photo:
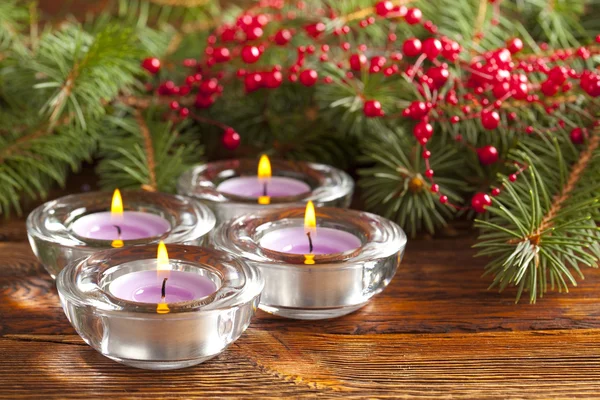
x=162 y=257
x=116 y=207
x=264 y=168
x=310 y=219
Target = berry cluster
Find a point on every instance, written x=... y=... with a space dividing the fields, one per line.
x=495 y=84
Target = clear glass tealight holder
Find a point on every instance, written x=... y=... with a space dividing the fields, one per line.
x=55 y=242
x=326 y=186
x=159 y=336
x=316 y=286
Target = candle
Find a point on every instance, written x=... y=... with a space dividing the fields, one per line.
x=309 y=239
x=264 y=185
x=162 y=285
x=118 y=225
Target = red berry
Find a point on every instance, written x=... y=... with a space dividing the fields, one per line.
x=413 y=16
x=210 y=86
x=377 y=63
x=272 y=79
x=357 y=61
x=417 y=110
x=488 y=155
x=222 y=54
x=514 y=45
x=597 y=38
x=254 y=33
x=167 y=88
x=184 y=112
x=204 y=101
x=315 y=30
x=231 y=139
x=429 y=173
x=426 y=154
x=174 y=105
x=412 y=47
x=372 y=109
x=443 y=199
x=520 y=90
x=308 y=77
x=151 y=64
x=577 y=136
x=480 y=201
x=512 y=177
x=501 y=89
x=439 y=75
x=383 y=8
x=549 y=88
x=423 y=131
x=250 y=54
x=529 y=130
x=490 y=119
x=282 y=37
x=558 y=75
x=435 y=188
x=455 y=119
x=495 y=192
x=432 y=48
x=252 y=82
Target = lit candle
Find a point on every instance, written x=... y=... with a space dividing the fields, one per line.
x=310 y=239
x=162 y=286
x=263 y=186
x=118 y=225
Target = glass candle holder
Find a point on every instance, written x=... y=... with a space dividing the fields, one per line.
x=159 y=336
x=326 y=186
x=56 y=243
x=316 y=286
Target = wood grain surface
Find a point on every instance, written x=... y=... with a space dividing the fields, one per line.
x=435 y=332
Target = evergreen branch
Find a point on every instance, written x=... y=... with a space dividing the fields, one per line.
x=536 y=237
x=477 y=31
x=148 y=150
x=142 y=150
x=574 y=177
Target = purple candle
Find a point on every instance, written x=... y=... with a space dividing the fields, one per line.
x=264 y=184
x=162 y=286
x=120 y=225
x=146 y=286
x=295 y=241
x=310 y=239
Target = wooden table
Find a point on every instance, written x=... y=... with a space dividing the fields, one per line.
x=434 y=332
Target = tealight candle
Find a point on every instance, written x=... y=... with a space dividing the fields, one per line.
x=327 y=265
x=264 y=185
x=118 y=225
x=154 y=310
x=163 y=285
x=310 y=240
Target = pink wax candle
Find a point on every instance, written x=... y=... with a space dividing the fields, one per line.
x=294 y=241
x=146 y=286
x=161 y=285
x=120 y=225
x=310 y=239
x=263 y=184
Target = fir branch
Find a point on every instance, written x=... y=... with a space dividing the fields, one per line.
x=545 y=225
x=148 y=150
x=142 y=150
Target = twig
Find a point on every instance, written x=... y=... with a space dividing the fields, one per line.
x=148 y=149
x=479 y=21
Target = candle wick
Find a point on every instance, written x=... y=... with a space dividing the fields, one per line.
x=265 y=188
x=310 y=243
x=163 y=291
x=118 y=230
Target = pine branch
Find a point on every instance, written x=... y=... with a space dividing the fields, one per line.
x=148 y=150
x=141 y=150
x=544 y=226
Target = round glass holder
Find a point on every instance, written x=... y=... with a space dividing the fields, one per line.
x=159 y=336
x=55 y=243
x=329 y=186
x=316 y=286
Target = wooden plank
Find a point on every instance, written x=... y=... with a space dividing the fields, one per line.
x=434 y=291
x=281 y=364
